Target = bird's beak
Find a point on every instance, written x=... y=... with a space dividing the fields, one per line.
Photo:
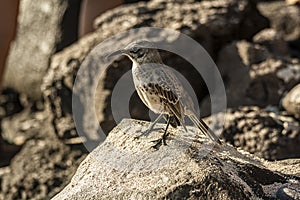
x=116 y=53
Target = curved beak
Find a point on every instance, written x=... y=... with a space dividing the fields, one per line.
x=116 y=53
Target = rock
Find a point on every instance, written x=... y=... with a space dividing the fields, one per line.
x=251 y=53
x=207 y=22
x=234 y=64
x=43 y=29
x=42 y=167
x=273 y=40
x=126 y=168
x=293 y=1
x=291 y=102
x=17 y=129
x=192 y=18
x=270 y=79
x=254 y=76
x=265 y=133
x=283 y=17
x=7 y=152
x=9 y=103
x=288 y=193
x=58 y=84
x=283 y=166
x=234 y=72
x=17 y=116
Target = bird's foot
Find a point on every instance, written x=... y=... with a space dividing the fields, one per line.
x=159 y=142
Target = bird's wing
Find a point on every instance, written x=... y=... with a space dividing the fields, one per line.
x=175 y=84
x=171 y=100
x=167 y=86
x=168 y=80
x=162 y=81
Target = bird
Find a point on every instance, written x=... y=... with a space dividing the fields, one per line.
x=160 y=89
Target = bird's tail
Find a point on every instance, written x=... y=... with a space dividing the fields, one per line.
x=204 y=128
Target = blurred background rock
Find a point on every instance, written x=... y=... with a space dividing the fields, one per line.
x=31 y=33
x=255 y=45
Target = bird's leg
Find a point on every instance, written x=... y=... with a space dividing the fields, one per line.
x=162 y=140
x=150 y=128
x=164 y=137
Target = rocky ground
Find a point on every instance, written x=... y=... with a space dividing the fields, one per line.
x=188 y=167
x=256 y=48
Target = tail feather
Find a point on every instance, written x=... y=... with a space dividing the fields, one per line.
x=204 y=128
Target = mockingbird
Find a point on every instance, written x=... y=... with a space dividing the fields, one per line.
x=160 y=90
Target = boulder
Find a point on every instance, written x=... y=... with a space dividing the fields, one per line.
x=43 y=29
x=266 y=133
x=283 y=18
x=254 y=76
x=234 y=63
x=271 y=79
x=44 y=164
x=291 y=102
x=273 y=40
x=186 y=168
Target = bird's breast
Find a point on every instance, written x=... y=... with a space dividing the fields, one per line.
x=151 y=99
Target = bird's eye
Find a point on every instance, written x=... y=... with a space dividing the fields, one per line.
x=135 y=50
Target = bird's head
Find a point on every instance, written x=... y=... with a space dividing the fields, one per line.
x=140 y=52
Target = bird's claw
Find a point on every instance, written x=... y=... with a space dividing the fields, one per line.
x=160 y=141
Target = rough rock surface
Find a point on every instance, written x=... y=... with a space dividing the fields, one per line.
x=186 y=168
x=273 y=40
x=293 y=2
x=254 y=76
x=192 y=17
x=44 y=164
x=285 y=19
x=212 y=23
x=9 y=103
x=291 y=102
x=266 y=133
x=43 y=29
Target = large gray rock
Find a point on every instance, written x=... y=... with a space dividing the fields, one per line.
x=186 y=168
x=44 y=27
x=207 y=22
